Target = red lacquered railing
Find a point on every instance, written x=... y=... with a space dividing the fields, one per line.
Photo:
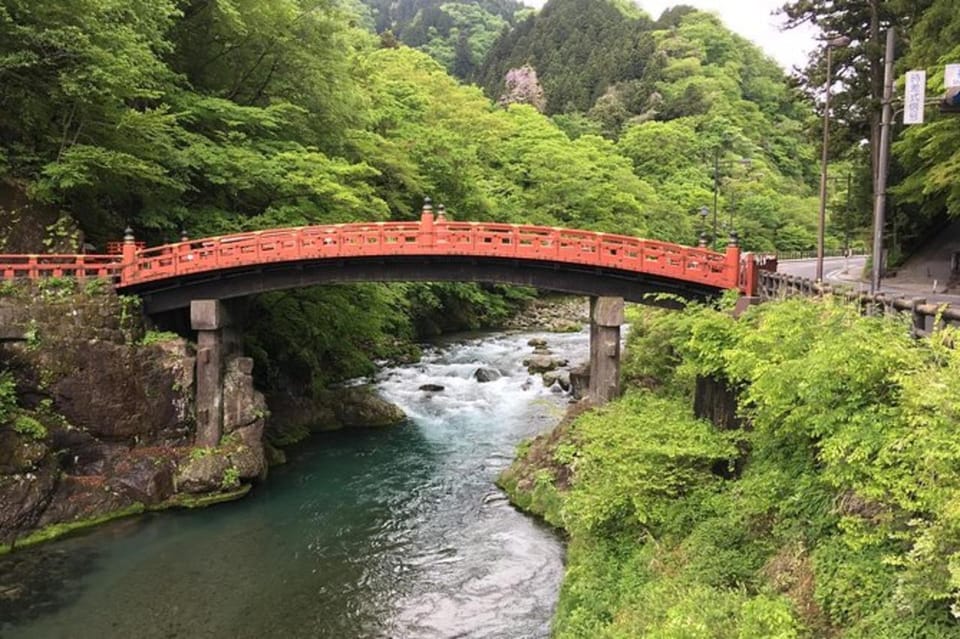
x=79 y=266
x=428 y=237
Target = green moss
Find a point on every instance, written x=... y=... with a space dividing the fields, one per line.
x=203 y=500
x=55 y=531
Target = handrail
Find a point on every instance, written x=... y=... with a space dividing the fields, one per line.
x=426 y=237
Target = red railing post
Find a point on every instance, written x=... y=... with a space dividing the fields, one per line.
x=441 y=225
x=128 y=269
x=750 y=275
x=733 y=261
x=426 y=235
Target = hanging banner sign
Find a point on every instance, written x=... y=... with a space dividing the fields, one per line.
x=914 y=96
x=951 y=76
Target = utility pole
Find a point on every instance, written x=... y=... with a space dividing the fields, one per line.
x=846 y=225
x=883 y=161
x=839 y=41
x=716 y=192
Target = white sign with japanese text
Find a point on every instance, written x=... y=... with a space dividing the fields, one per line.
x=914 y=96
x=951 y=76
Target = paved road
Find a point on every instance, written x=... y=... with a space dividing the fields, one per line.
x=849 y=273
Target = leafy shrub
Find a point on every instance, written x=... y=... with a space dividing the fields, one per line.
x=8 y=396
x=29 y=427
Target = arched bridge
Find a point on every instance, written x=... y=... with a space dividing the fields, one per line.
x=202 y=273
x=573 y=261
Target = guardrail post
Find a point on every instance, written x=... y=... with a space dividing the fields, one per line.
x=129 y=267
x=426 y=235
x=919 y=319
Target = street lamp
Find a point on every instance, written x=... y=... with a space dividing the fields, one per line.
x=831 y=44
x=717 y=164
x=704 y=212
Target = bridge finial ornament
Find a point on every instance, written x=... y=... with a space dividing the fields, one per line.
x=128 y=234
x=427 y=205
x=184 y=237
x=441 y=213
x=703 y=239
x=734 y=239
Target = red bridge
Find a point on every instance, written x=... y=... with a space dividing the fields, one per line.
x=582 y=262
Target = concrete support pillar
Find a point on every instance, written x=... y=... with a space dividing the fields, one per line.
x=210 y=319
x=606 y=316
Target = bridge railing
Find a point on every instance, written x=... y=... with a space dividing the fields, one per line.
x=435 y=238
x=79 y=266
x=428 y=236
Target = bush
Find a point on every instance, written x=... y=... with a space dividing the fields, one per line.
x=29 y=427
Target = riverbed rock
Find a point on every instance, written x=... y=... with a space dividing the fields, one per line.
x=19 y=454
x=559 y=377
x=145 y=475
x=23 y=498
x=202 y=472
x=484 y=374
x=432 y=388
x=242 y=403
x=580 y=381
x=249 y=462
x=361 y=407
x=543 y=363
x=293 y=418
x=537 y=342
x=80 y=498
x=555 y=313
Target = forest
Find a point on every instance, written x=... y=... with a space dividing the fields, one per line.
x=222 y=115
x=827 y=507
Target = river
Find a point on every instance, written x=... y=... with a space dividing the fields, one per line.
x=394 y=532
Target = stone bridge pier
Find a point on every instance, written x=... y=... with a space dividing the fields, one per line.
x=606 y=317
x=218 y=337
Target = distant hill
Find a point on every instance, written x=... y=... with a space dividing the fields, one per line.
x=578 y=47
x=458 y=34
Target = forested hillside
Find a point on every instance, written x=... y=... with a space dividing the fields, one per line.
x=245 y=114
x=457 y=34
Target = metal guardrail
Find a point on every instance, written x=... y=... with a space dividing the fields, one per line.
x=811 y=254
x=925 y=317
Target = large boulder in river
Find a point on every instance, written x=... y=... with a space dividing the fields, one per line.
x=543 y=363
x=484 y=374
x=361 y=407
x=432 y=388
x=202 y=472
x=560 y=378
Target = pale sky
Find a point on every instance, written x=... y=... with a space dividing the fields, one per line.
x=752 y=19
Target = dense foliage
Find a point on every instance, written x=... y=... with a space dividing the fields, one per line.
x=458 y=34
x=229 y=115
x=924 y=193
x=687 y=101
x=832 y=512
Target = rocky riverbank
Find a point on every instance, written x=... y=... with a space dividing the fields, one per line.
x=97 y=415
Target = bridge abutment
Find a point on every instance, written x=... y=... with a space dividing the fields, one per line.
x=217 y=338
x=606 y=316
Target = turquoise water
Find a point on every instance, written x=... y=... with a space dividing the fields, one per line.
x=367 y=533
